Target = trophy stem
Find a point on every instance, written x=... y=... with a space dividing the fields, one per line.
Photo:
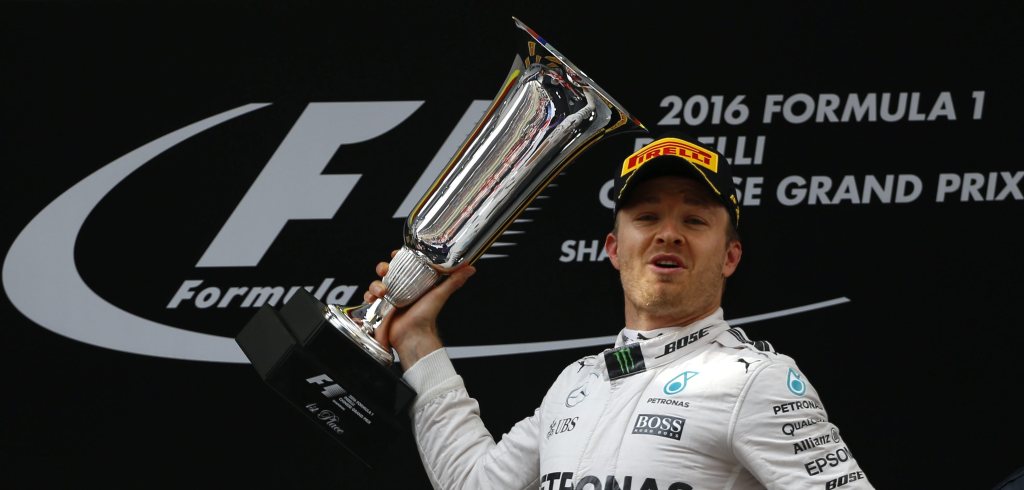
x=359 y=331
x=409 y=276
x=369 y=316
x=373 y=314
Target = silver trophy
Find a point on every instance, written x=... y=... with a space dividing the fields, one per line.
x=546 y=114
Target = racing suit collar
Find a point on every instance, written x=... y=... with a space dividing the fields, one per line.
x=633 y=357
x=628 y=335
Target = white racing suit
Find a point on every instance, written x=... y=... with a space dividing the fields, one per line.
x=700 y=407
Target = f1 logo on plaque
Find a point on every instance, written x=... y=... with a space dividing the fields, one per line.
x=324 y=359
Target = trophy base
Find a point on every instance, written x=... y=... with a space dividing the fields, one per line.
x=360 y=403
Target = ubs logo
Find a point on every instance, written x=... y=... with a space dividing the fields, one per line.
x=562 y=425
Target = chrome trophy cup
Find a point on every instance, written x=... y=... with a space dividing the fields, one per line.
x=546 y=114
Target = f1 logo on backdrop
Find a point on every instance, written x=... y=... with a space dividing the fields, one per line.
x=291 y=185
x=42 y=281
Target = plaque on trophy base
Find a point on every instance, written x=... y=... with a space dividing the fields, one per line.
x=361 y=404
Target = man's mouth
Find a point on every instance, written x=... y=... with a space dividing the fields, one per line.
x=665 y=261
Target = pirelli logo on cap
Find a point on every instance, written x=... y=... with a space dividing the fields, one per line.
x=674 y=147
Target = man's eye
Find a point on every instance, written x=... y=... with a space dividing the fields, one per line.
x=646 y=217
x=696 y=220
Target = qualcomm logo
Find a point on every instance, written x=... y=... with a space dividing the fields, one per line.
x=42 y=281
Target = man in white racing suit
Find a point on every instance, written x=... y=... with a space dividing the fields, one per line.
x=682 y=401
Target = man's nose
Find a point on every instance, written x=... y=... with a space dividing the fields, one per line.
x=669 y=232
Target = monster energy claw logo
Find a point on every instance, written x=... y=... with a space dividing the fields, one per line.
x=624 y=361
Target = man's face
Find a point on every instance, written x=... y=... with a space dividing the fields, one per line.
x=671 y=252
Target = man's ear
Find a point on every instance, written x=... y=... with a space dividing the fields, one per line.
x=733 y=253
x=611 y=247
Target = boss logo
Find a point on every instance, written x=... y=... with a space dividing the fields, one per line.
x=659 y=425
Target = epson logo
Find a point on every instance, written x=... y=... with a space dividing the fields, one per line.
x=659 y=425
x=833 y=459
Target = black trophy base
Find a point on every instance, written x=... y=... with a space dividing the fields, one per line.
x=332 y=381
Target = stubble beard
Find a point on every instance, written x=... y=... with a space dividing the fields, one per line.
x=672 y=297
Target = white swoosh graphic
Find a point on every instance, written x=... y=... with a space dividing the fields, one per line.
x=528 y=347
x=42 y=280
x=43 y=283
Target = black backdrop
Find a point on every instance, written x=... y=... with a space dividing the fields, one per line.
x=916 y=357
